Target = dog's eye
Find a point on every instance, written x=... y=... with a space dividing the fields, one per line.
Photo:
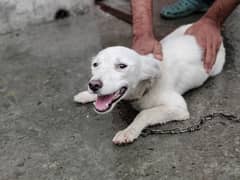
x=95 y=64
x=122 y=66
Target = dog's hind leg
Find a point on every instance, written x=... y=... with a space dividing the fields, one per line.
x=84 y=97
x=148 y=117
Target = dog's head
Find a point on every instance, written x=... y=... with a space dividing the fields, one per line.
x=116 y=73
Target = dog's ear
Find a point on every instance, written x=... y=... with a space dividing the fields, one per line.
x=150 y=68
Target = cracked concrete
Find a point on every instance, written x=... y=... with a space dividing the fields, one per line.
x=44 y=135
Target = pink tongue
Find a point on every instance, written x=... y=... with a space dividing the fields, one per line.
x=103 y=102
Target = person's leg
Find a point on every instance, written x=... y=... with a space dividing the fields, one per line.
x=183 y=8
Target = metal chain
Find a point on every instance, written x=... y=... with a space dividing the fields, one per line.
x=195 y=127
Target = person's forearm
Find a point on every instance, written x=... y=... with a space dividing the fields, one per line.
x=142 y=17
x=220 y=10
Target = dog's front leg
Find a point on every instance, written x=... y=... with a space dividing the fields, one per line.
x=156 y=115
x=84 y=97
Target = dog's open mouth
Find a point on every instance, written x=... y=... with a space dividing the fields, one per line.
x=105 y=102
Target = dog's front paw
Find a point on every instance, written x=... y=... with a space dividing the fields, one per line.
x=125 y=136
x=84 y=97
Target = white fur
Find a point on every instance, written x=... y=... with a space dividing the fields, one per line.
x=155 y=88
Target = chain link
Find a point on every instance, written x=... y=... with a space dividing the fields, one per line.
x=193 y=128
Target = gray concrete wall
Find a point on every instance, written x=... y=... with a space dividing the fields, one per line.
x=16 y=14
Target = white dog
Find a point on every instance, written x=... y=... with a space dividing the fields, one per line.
x=154 y=87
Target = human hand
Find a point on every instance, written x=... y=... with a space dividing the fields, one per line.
x=208 y=34
x=146 y=44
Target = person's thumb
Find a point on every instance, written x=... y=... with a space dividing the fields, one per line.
x=157 y=51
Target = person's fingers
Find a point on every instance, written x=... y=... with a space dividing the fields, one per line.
x=204 y=54
x=208 y=56
x=143 y=52
x=203 y=45
x=219 y=42
x=188 y=31
x=214 y=54
x=143 y=46
x=157 y=51
x=139 y=49
x=215 y=45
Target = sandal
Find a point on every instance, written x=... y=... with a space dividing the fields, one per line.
x=183 y=8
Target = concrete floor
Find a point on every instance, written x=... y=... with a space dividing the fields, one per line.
x=17 y=14
x=45 y=136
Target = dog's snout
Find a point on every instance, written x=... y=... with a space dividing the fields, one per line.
x=95 y=85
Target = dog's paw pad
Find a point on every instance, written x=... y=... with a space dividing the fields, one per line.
x=125 y=136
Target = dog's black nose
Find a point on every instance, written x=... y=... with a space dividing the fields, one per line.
x=95 y=85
